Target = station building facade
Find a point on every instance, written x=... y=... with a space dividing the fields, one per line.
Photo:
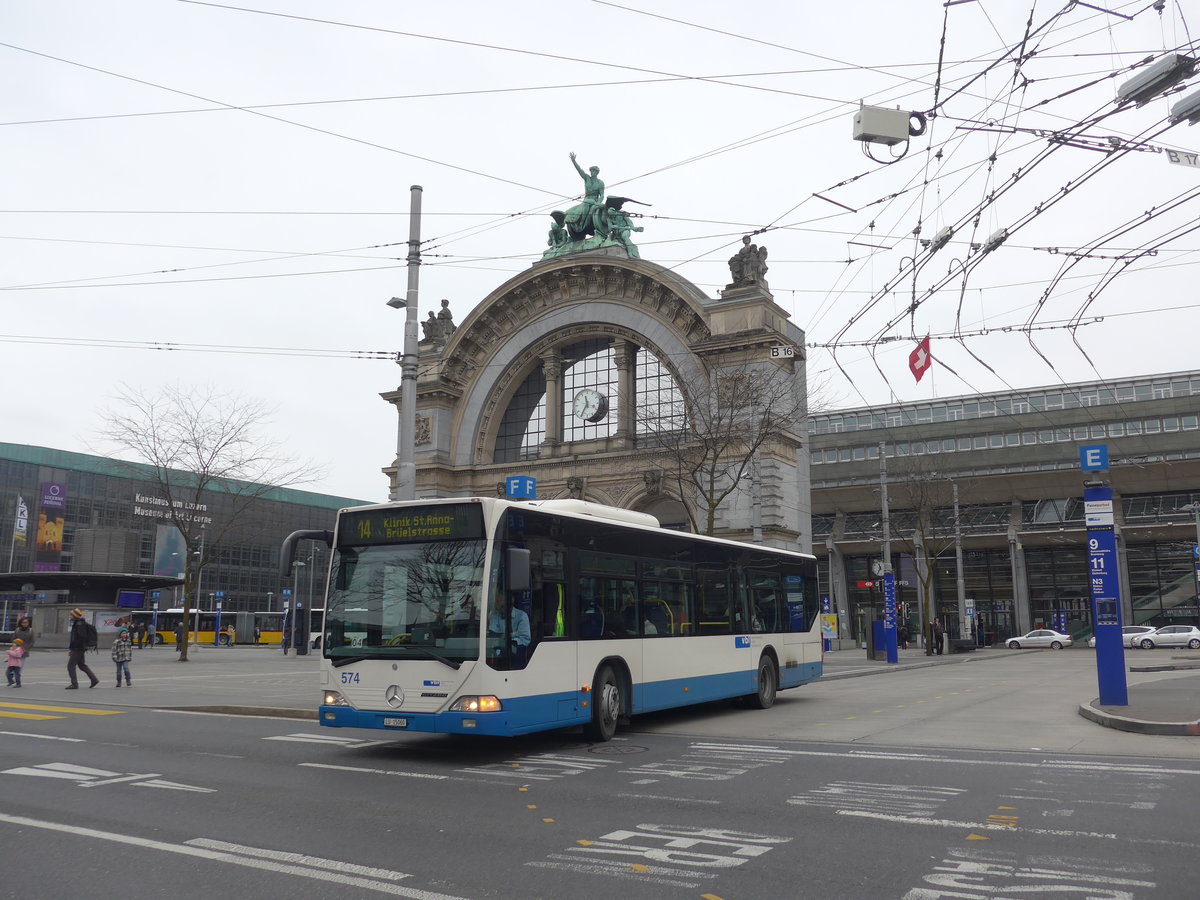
x=1013 y=459
x=97 y=515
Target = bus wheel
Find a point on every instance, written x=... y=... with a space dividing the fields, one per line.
x=606 y=707
x=768 y=685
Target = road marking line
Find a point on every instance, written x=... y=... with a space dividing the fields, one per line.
x=219 y=856
x=979 y=826
x=44 y=737
x=1058 y=765
x=375 y=771
x=34 y=716
x=317 y=862
x=74 y=710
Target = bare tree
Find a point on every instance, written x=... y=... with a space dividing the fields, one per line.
x=708 y=435
x=199 y=443
x=924 y=497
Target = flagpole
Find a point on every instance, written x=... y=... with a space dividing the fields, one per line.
x=12 y=545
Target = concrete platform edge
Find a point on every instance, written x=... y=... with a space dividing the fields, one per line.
x=1137 y=726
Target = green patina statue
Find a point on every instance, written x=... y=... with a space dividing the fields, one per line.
x=594 y=223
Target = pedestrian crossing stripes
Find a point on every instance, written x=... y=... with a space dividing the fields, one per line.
x=329 y=740
x=39 y=712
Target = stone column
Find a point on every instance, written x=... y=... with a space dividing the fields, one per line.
x=625 y=359
x=552 y=370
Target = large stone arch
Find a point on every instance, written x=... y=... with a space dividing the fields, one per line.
x=466 y=384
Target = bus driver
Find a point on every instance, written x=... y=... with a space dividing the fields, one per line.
x=498 y=625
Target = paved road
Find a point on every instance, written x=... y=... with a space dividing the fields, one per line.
x=713 y=803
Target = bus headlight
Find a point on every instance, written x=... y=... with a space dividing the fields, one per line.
x=487 y=703
x=333 y=698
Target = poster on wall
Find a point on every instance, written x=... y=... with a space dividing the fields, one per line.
x=169 y=551
x=50 y=522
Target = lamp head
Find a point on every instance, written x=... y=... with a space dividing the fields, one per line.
x=397 y=303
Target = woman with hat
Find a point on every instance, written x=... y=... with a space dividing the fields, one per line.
x=76 y=648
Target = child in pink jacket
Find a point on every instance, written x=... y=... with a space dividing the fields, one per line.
x=16 y=659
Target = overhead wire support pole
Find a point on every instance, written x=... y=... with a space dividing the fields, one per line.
x=406 y=467
x=889 y=577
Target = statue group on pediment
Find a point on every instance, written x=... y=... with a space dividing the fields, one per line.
x=748 y=267
x=439 y=326
x=595 y=222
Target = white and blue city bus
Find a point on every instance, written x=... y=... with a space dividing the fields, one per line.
x=487 y=616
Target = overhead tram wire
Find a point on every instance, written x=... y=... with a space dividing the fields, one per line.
x=558 y=57
x=279 y=119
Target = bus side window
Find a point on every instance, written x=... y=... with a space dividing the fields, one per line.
x=656 y=617
x=713 y=608
x=591 y=609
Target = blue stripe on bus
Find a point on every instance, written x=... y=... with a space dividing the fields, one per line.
x=524 y=715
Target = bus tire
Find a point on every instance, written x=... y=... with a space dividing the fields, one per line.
x=606 y=706
x=768 y=685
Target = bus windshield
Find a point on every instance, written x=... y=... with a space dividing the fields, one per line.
x=410 y=600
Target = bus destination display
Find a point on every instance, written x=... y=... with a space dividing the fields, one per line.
x=409 y=524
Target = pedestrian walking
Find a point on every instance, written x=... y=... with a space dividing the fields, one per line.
x=180 y=637
x=141 y=634
x=82 y=639
x=24 y=631
x=902 y=634
x=16 y=659
x=122 y=654
x=937 y=636
x=257 y=633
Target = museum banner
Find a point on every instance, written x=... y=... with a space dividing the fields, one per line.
x=51 y=519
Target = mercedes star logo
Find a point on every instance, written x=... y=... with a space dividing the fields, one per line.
x=394 y=696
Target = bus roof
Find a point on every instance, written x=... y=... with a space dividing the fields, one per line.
x=580 y=509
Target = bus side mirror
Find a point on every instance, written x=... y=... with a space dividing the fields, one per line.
x=518 y=569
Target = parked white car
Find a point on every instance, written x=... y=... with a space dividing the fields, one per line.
x=1040 y=637
x=1171 y=636
x=1129 y=635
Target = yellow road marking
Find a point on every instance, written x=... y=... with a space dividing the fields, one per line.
x=17 y=715
x=64 y=709
x=977 y=837
x=548 y=821
x=638 y=867
x=709 y=897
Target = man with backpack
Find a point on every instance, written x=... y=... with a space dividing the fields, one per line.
x=83 y=638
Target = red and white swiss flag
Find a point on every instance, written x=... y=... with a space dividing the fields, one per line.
x=919 y=361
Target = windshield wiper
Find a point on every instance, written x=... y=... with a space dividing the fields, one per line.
x=347 y=660
x=449 y=662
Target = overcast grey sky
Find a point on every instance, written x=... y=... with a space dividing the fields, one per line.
x=233 y=181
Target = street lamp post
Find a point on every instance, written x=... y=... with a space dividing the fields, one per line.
x=406 y=468
x=198 y=561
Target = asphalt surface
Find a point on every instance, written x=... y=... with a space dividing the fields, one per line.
x=262 y=681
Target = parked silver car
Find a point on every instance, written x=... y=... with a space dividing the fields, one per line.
x=1040 y=637
x=1171 y=636
x=1129 y=635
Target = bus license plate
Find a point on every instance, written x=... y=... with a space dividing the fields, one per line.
x=395 y=723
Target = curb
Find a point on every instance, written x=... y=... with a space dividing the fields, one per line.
x=1166 y=668
x=1136 y=726
x=886 y=669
